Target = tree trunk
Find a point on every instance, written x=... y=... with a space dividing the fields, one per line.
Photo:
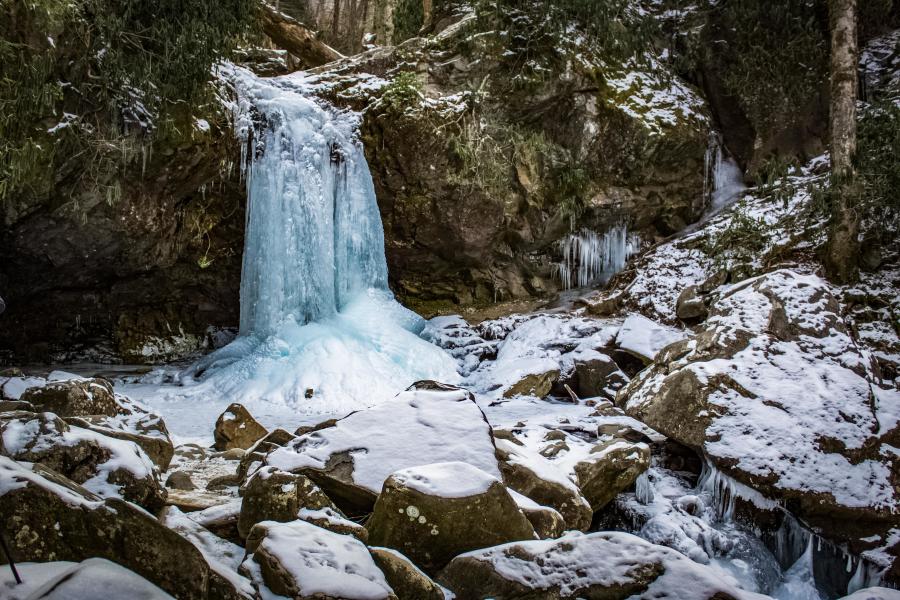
x=293 y=36
x=427 y=10
x=842 y=251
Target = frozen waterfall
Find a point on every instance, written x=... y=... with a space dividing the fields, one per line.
x=319 y=330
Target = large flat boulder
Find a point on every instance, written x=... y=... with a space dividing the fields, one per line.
x=74 y=397
x=429 y=423
x=774 y=390
x=50 y=518
x=431 y=513
x=607 y=566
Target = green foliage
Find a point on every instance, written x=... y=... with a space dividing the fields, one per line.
x=535 y=40
x=772 y=180
x=742 y=241
x=403 y=92
x=408 y=19
x=87 y=83
x=570 y=185
x=875 y=186
x=775 y=55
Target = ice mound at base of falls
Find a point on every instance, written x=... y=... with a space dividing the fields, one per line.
x=363 y=355
x=320 y=330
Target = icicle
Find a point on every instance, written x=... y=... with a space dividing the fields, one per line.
x=643 y=489
x=590 y=258
x=866 y=575
x=725 y=491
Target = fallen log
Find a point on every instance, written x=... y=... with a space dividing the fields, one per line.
x=291 y=35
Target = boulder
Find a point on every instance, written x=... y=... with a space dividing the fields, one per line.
x=547 y=522
x=96 y=579
x=538 y=385
x=179 y=480
x=691 y=305
x=598 y=375
x=535 y=477
x=332 y=520
x=643 y=338
x=607 y=566
x=48 y=517
x=433 y=512
x=774 y=390
x=874 y=593
x=255 y=455
x=610 y=468
x=104 y=465
x=273 y=495
x=74 y=398
x=351 y=460
x=406 y=579
x=302 y=561
x=236 y=428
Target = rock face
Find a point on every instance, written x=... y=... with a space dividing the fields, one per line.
x=302 y=561
x=47 y=517
x=611 y=566
x=351 y=460
x=236 y=428
x=777 y=394
x=107 y=466
x=273 y=495
x=434 y=512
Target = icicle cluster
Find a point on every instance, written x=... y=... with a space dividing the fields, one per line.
x=589 y=257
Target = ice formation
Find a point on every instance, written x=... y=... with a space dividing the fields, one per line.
x=590 y=257
x=319 y=329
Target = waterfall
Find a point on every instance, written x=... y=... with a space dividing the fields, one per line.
x=589 y=258
x=319 y=328
x=723 y=182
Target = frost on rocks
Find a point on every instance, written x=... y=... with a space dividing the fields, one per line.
x=778 y=395
x=445 y=480
x=300 y=560
x=419 y=426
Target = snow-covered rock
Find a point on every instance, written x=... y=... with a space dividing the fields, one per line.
x=547 y=522
x=64 y=521
x=433 y=512
x=598 y=565
x=302 y=561
x=273 y=495
x=610 y=467
x=429 y=423
x=107 y=466
x=74 y=397
x=645 y=338
x=97 y=579
x=775 y=391
x=535 y=477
